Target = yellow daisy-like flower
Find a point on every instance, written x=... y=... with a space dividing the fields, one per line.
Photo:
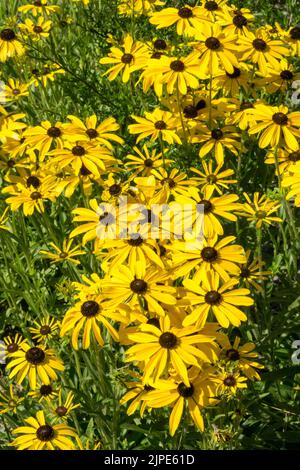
x=210 y=255
x=280 y=78
x=232 y=83
x=159 y=124
x=92 y=131
x=140 y=284
x=260 y=48
x=175 y=73
x=213 y=180
x=291 y=180
x=198 y=394
x=38 y=434
x=45 y=73
x=36 y=363
x=43 y=137
x=259 y=210
x=11 y=344
x=250 y=272
x=221 y=299
x=133 y=57
x=217 y=49
x=216 y=140
x=237 y=20
x=186 y=19
x=214 y=10
x=13 y=90
x=46 y=393
x=168 y=346
x=143 y=162
x=173 y=182
x=86 y=315
x=278 y=126
x=137 y=392
x=36 y=30
x=39 y=7
x=10 y=45
x=9 y=402
x=242 y=357
x=66 y=253
x=229 y=383
x=44 y=329
x=65 y=407
x=138 y=7
x=287 y=159
x=31 y=198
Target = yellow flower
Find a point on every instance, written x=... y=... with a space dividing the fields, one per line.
x=39 y=7
x=186 y=19
x=216 y=140
x=221 y=299
x=237 y=21
x=144 y=162
x=250 y=273
x=11 y=345
x=39 y=434
x=43 y=137
x=279 y=78
x=228 y=383
x=44 y=329
x=13 y=90
x=232 y=83
x=213 y=180
x=132 y=58
x=287 y=159
x=159 y=124
x=36 y=30
x=65 y=407
x=291 y=179
x=259 y=210
x=92 y=131
x=138 y=7
x=45 y=73
x=36 y=363
x=45 y=393
x=277 y=124
x=10 y=45
x=66 y=253
x=31 y=198
x=137 y=392
x=9 y=402
x=168 y=346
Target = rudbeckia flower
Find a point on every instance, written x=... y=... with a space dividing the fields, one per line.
x=214 y=10
x=280 y=78
x=259 y=210
x=39 y=7
x=250 y=272
x=10 y=45
x=13 y=90
x=213 y=180
x=209 y=294
x=38 y=434
x=9 y=402
x=144 y=161
x=66 y=253
x=157 y=124
x=44 y=136
x=237 y=21
x=45 y=393
x=138 y=7
x=291 y=180
x=229 y=383
x=186 y=19
x=32 y=198
x=168 y=346
x=35 y=363
x=44 y=329
x=216 y=140
x=64 y=407
x=232 y=83
x=139 y=284
x=132 y=58
x=277 y=124
x=287 y=159
x=36 y=30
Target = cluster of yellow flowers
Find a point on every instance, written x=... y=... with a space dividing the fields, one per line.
x=167 y=300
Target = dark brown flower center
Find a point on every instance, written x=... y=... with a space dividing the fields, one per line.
x=295 y=32
x=287 y=75
x=160 y=125
x=115 y=189
x=280 y=118
x=156 y=55
x=211 y=179
x=33 y=181
x=261 y=214
x=148 y=163
x=139 y=286
x=294 y=156
x=208 y=207
x=11 y=163
x=61 y=410
x=63 y=254
x=148 y=388
x=45 y=390
x=84 y=171
x=209 y=254
x=217 y=134
x=259 y=45
x=213 y=297
x=127 y=58
x=213 y=43
x=38 y=29
x=201 y=104
x=229 y=381
x=54 y=132
x=185 y=391
x=35 y=195
x=7 y=35
x=16 y=91
x=185 y=12
x=136 y=240
x=246 y=105
x=168 y=340
x=233 y=354
x=190 y=112
x=245 y=273
x=45 y=330
x=35 y=356
x=169 y=181
x=12 y=347
x=154 y=322
x=90 y=308
x=45 y=433
x=239 y=21
x=78 y=151
x=91 y=133
x=177 y=66
x=236 y=73
x=160 y=44
x=211 y=6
